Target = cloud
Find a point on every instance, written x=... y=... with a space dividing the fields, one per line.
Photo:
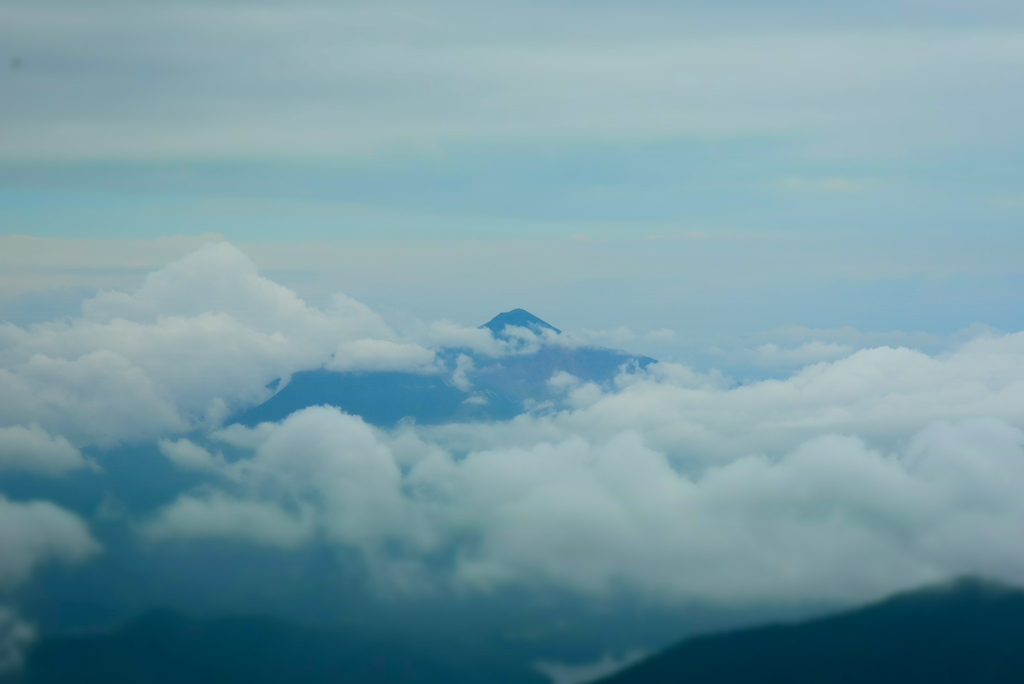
x=838 y=186
x=569 y=72
x=34 y=533
x=380 y=355
x=578 y=395
x=852 y=477
x=31 y=449
x=219 y=516
x=849 y=480
x=218 y=278
x=30 y=263
x=661 y=335
x=318 y=460
x=806 y=353
x=614 y=338
x=16 y=636
x=242 y=436
x=190 y=456
x=882 y=394
x=785 y=350
x=460 y=377
x=197 y=340
x=563 y=382
x=519 y=340
x=607 y=665
x=447 y=334
x=99 y=397
x=594 y=517
x=38 y=532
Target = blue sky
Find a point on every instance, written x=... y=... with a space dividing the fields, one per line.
x=718 y=170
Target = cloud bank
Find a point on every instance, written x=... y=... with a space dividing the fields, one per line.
x=831 y=519
x=32 y=449
x=459 y=71
x=853 y=477
x=200 y=338
x=850 y=479
x=38 y=532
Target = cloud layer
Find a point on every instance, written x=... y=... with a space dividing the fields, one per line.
x=855 y=476
x=514 y=70
x=32 y=449
x=200 y=338
x=847 y=480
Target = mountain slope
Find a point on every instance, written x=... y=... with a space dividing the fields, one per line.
x=969 y=632
x=381 y=398
x=498 y=388
x=520 y=318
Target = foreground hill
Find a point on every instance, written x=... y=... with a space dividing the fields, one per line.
x=969 y=632
x=167 y=648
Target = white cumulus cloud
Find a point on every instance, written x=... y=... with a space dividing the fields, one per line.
x=200 y=338
x=188 y=455
x=220 y=516
x=32 y=449
x=37 y=532
x=380 y=355
x=831 y=518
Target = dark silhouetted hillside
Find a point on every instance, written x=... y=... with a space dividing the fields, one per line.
x=968 y=632
x=380 y=398
x=167 y=648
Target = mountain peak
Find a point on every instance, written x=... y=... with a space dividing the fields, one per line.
x=520 y=318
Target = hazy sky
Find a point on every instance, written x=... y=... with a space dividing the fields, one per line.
x=719 y=170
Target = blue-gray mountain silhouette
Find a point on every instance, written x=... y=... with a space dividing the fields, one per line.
x=500 y=388
x=968 y=632
x=520 y=318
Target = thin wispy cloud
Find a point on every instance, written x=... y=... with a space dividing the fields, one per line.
x=363 y=77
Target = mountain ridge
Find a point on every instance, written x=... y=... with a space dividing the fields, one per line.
x=520 y=318
x=490 y=389
x=969 y=631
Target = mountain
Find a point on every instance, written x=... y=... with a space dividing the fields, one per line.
x=967 y=632
x=520 y=318
x=490 y=389
x=382 y=398
x=164 y=647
